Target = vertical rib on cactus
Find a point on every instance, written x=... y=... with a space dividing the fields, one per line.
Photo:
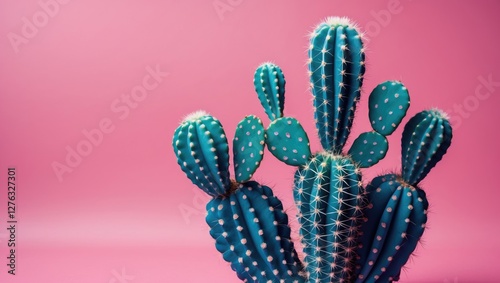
x=328 y=194
x=426 y=139
x=336 y=69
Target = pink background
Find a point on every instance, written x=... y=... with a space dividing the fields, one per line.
x=119 y=209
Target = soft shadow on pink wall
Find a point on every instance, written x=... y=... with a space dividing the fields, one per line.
x=111 y=80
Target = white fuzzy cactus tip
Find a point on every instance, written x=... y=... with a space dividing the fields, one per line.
x=197 y=115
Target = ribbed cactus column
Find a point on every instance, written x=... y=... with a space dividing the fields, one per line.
x=396 y=217
x=328 y=194
x=336 y=70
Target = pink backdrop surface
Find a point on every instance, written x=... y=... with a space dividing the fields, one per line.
x=122 y=210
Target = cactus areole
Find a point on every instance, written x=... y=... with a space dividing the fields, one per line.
x=349 y=232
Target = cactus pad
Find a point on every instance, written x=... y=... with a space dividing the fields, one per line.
x=248 y=147
x=287 y=140
x=368 y=149
x=388 y=104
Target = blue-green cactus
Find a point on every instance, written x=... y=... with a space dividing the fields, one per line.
x=251 y=231
x=328 y=195
x=396 y=217
x=269 y=83
x=349 y=234
x=336 y=70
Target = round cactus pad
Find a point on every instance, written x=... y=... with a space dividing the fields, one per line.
x=287 y=140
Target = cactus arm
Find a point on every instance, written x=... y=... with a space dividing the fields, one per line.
x=336 y=77
x=269 y=83
x=393 y=235
x=251 y=221
x=368 y=149
x=201 y=148
x=248 y=147
x=287 y=141
x=416 y=227
x=388 y=104
x=425 y=140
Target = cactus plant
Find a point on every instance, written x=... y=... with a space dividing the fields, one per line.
x=348 y=232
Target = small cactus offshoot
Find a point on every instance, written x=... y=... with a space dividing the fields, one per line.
x=349 y=232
